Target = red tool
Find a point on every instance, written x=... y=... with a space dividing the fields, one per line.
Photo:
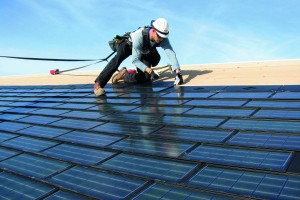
x=54 y=71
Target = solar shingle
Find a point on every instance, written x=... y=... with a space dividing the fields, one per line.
x=149 y=142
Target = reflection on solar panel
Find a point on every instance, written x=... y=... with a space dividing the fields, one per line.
x=127 y=129
x=192 y=121
x=74 y=123
x=196 y=135
x=153 y=147
x=150 y=142
x=149 y=167
x=89 y=138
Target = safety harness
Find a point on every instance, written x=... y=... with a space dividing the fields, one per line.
x=147 y=48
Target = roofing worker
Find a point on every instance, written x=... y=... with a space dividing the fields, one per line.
x=141 y=44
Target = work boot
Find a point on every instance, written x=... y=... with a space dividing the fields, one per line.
x=119 y=76
x=98 y=90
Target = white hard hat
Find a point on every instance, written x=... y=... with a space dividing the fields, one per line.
x=161 y=26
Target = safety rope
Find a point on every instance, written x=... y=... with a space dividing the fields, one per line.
x=63 y=60
x=48 y=59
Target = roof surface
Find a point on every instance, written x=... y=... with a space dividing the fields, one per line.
x=150 y=142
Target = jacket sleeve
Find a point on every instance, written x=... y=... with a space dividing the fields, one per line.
x=165 y=44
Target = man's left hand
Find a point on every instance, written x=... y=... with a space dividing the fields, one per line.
x=178 y=79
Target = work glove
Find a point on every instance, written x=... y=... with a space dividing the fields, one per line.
x=154 y=75
x=178 y=79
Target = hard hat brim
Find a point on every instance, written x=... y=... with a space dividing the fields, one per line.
x=162 y=35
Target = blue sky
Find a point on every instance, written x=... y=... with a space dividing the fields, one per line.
x=201 y=31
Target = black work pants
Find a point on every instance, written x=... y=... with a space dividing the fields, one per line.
x=123 y=52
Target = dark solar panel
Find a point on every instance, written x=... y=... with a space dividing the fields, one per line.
x=89 y=138
x=77 y=154
x=149 y=167
x=83 y=114
x=45 y=104
x=263 y=125
x=75 y=123
x=192 y=121
x=242 y=157
x=221 y=112
x=82 y=100
x=6 y=136
x=127 y=129
x=161 y=109
x=3 y=108
x=153 y=147
x=12 y=126
x=33 y=166
x=286 y=95
x=242 y=95
x=7 y=153
x=269 y=140
x=61 y=195
x=39 y=119
x=134 y=117
x=3 y=103
x=109 y=108
x=150 y=142
x=159 y=191
x=163 y=102
x=28 y=144
x=263 y=185
x=75 y=106
x=11 y=116
x=21 y=103
x=196 y=135
x=288 y=114
x=20 y=110
x=188 y=95
x=57 y=99
x=273 y=104
x=215 y=103
x=97 y=184
x=41 y=131
x=15 y=187
x=49 y=111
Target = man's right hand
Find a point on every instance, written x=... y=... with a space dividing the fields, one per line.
x=154 y=75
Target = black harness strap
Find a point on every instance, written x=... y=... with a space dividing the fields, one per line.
x=146 y=40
